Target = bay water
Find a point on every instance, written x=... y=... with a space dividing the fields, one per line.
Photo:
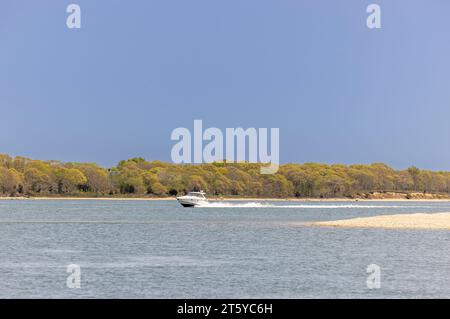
x=158 y=249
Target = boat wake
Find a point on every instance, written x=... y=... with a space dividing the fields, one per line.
x=305 y=206
x=236 y=205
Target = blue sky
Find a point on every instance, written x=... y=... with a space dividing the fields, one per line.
x=136 y=70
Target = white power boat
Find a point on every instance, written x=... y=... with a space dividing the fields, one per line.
x=192 y=199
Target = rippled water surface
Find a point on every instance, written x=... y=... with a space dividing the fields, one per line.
x=157 y=249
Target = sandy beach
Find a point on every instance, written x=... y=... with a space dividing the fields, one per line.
x=234 y=199
x=399 y=221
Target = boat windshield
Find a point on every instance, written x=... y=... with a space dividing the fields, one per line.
x=196 y=194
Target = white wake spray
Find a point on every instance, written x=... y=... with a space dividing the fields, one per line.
x=305 y=206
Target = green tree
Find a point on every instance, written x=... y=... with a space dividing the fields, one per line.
x=10 y=181
x=69 y=180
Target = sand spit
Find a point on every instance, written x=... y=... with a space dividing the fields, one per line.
x=399 y=221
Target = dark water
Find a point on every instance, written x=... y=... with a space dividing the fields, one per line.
x=158 y=249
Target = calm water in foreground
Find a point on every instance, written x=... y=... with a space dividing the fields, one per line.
x=158 y=249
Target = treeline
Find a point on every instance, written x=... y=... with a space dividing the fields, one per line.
x=21 y=176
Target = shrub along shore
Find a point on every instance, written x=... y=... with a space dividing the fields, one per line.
x=137 y=178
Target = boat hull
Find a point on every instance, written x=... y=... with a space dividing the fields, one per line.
x=191 y=202
x=187 y=205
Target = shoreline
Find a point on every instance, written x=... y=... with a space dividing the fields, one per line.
x=400 y=199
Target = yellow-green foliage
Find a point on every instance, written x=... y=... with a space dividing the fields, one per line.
x=138 y=177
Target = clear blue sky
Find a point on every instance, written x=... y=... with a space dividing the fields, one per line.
x=116 y=88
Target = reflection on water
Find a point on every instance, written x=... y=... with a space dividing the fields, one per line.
x=158 y=249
